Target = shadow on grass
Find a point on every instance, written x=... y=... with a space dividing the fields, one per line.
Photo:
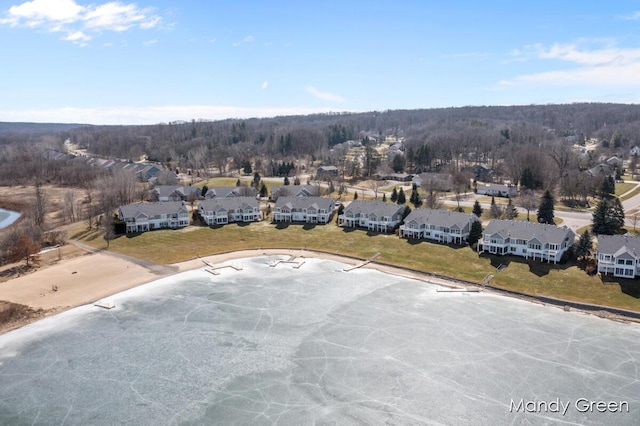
x=347 y=229
x=536 y=267
x=243 y=224
x=308 y=226
x=630 y=287
x=417 y=241
x=282 y=225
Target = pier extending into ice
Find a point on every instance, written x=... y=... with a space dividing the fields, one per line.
x=215 y=269
x=298 y=261
x=361 y=264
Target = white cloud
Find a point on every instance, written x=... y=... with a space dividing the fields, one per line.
x=265 y=84
x=151 y=115
x=607 y=66
x=150 y=42
x=77 y=37
x=247 y=39
x=325 y=96
x=72 y=18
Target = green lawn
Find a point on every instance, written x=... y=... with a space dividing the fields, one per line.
x=631 y=194
x=621 y=188
x=562 y=281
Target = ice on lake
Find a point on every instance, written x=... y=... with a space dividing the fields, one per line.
x=315 y=345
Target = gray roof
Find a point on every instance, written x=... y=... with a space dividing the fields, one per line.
x=167 y=190
x=523 y=230
x=617 y=244
x=305 y=202
x=496 y=187
x=380 y=208
x=229 y=203
x=295 y=190
x=230 y=191
x=443 y=218
x=152 y=209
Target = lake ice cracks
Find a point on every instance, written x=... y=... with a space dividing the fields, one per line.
x=281 y=345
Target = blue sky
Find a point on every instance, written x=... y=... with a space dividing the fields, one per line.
x=147 y=62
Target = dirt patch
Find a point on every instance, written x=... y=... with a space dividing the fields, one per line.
x=14 y=315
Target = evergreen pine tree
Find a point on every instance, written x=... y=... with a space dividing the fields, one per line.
x=511 y=212
x=394 y=195
x=475 y=233
x=584 y=245
x=355 y=195
x=263 y=191
x=545 y=210
x=384 y=197
x=238 y=183
x=495 y=212
x=401 y=197
x=286 y=180
x=608 y=217
x=477 y=209
x=204 y=190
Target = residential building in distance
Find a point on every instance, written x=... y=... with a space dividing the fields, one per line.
x=443 y=226
x=435 y=181
x=164 y=193
x=231 y=191
x=618 y=255
x=303 y=209
x=372 y=215
x=496 y=189
x=150 y=216
x=324 y=172
x=526 y=239
x=295 y=191
x=219 y=211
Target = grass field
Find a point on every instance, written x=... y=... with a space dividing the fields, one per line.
x=621 y=188
x=563 y=281
x=631 y=194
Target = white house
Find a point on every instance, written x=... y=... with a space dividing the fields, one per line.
x=150 y=216
x=635 y=151
x=438 y=225
x=618 y=255
x=527 y=239
x=218 y=211
x=303 y=209
x=372 y=215
x=496 y=189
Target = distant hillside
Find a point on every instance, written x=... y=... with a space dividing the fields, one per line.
x=37 y=127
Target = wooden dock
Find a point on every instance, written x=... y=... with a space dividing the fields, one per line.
x=292 y=259
x=215 y=269
x=105 y=304
x=458 y=290
x=361 y=264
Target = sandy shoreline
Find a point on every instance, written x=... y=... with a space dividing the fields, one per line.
x=89 y=278
x=95 y=276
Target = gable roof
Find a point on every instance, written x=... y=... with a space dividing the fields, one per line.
x=228 y=203
x=617 y=244
x=168 y=190
x=295 y=191
x=380 y=208
x=231 y=191
x=523 y=230
x=319 y=203
x=443 y=218
x=152 y=209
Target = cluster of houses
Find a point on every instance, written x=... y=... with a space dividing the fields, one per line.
x=616 y=255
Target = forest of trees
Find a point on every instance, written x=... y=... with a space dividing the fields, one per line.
x=529 y=145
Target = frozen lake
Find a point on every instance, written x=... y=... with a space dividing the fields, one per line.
x=7 y=217
x=315 y=345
